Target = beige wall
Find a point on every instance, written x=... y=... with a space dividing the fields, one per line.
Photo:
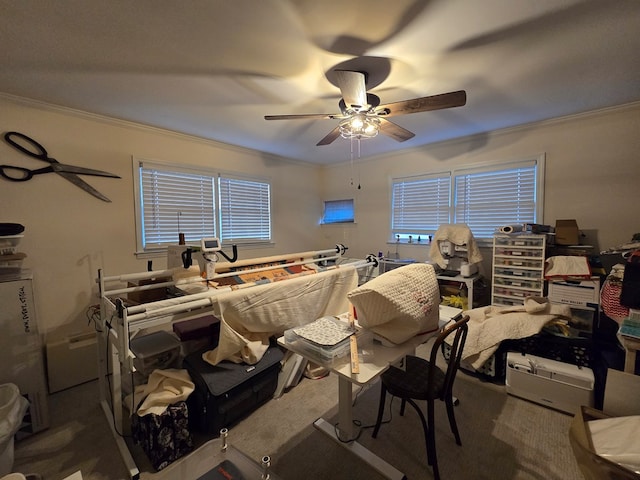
x=69 y=234
x=592 y=175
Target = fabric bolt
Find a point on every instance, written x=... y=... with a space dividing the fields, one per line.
x=565 y=266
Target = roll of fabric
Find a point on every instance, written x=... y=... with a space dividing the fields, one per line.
x=511 y=229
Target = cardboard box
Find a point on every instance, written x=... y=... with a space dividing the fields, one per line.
x=592 y=465
x=567 y=232
x=575 y=292
x=621 y=393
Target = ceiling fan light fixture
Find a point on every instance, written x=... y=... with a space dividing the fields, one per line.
x=359 y=126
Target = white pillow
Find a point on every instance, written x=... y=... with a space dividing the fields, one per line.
x=400 y=303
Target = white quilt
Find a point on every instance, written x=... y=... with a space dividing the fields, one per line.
x=488 y=326
x=164 y=388
x=248 y=317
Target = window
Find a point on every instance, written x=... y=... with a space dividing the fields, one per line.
x=198 y=203
x=420 y=204
x=338 y=211
x=483 y=198
x=245 y=209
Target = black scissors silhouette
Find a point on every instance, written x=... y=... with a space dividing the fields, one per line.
x=32 y=148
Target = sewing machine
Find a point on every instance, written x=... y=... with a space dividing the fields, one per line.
x=455 y=250
x=205 y=256
x=456 y=258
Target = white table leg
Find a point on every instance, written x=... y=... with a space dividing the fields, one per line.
x=347 y=432
x=345 y=410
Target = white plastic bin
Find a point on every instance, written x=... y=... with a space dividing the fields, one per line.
x=13 y=406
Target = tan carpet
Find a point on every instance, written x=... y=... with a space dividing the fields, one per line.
x=503 y=437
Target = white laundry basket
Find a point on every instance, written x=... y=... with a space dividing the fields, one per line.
x=13 y=406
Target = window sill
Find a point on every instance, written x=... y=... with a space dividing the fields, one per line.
x=421 y=243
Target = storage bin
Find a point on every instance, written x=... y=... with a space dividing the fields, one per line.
x=146 y=296
x=158 y=350
x=197 y=333
x=9 y=244
x=11 y=264
x=327 y=355
x=575 y=292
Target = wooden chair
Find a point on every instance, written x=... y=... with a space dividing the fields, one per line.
x=424 y=380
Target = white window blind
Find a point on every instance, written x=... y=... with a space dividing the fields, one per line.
x=175 y=202
x=245 y=209
x=420 y=205
x=338 y=211
x=486 y=200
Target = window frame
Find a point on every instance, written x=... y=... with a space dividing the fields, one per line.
x=324 y=221
x=143 y=250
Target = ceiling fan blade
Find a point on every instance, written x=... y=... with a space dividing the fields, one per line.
x=353 y=87
x=305 y=116
x=395 y=131
x=330 y=137
x=424 y=104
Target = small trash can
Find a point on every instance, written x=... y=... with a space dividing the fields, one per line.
x=13 y=406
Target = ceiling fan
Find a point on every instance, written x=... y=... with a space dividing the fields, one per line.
x=362 y=116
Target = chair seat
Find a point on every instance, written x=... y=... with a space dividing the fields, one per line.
x=412 y=382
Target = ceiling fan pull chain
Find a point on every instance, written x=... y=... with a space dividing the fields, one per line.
x=359 y=187
x=351 y=142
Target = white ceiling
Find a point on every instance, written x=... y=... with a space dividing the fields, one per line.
x=214 y=68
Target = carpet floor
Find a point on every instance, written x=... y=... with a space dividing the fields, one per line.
x=503 y=437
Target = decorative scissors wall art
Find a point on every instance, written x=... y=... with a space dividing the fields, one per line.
x=30 y=147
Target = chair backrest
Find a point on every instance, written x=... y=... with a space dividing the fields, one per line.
x=459 y=330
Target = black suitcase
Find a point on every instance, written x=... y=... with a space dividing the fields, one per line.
x=227 y=392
